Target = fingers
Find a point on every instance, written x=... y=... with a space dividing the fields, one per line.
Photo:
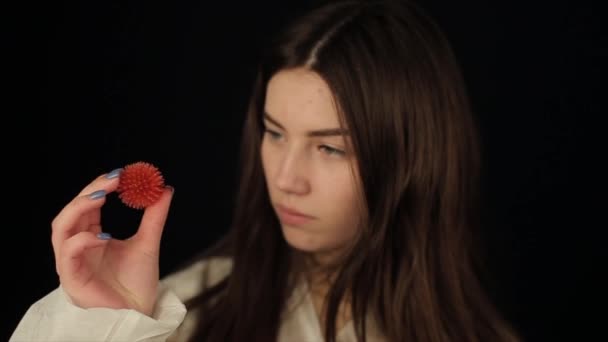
x=93 y=229
x=83 y=210
x=107 y=182
x=152 y=224
x=71 y=261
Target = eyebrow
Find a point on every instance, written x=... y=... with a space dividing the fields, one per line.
x=317 y=133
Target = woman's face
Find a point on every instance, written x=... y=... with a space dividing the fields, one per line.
x=311 y=174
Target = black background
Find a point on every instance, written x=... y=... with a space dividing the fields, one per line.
x=94 y=85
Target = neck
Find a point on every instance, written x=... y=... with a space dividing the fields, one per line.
x=320 y=279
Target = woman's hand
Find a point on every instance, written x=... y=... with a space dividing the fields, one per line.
x=97 y=271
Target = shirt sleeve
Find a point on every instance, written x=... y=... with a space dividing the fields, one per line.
x=55 y=318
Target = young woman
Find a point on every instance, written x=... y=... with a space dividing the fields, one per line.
x=356 y=209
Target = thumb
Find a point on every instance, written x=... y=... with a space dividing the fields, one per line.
x=152 y=223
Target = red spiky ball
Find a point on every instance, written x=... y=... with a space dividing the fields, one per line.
x=141 y=184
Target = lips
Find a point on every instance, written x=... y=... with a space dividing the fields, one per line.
x=290 y=216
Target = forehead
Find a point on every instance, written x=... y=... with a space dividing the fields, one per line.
x=300 y=97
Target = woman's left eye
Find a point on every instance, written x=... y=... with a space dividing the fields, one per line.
x=331 y=151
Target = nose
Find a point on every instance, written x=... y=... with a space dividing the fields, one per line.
x=291 y=174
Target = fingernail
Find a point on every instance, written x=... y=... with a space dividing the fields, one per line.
x=114 y=173
x=170 y=188
x=97 y=194
x=104 y=236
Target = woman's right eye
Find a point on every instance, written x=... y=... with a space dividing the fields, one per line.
x=273 y=135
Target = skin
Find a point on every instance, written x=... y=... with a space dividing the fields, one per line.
x=119 y=274
x=312 y=173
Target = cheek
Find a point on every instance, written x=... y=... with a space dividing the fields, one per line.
x=269 y=161
x=341 y=199
x=266 y=158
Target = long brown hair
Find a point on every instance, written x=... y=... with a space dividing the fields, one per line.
x=400 y=92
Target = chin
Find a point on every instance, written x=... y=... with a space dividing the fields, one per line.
x=302 y=240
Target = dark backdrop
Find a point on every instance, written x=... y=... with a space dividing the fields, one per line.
x=94 y=85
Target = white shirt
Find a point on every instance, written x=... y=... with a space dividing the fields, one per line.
x=55 y=318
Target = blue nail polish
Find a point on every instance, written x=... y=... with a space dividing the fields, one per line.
x=97 y=194
x=114 y=173
x=104 y=236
